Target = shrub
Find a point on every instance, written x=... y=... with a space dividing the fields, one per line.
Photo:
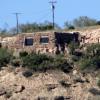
x=15 y=62
x=84 y=63
x=73 y=46
x=84 y=21
x=5 y=57
x=90 y=60
x=75 y=58
x=71 y=27
x=98 y=22
x=42 y=62
x=23 y=54
x=98 y=83
x=37 y=61
x=93 y=51
x=62 y=64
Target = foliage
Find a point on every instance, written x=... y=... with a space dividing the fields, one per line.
x=93 y=50
x=36 y=61
x=31 y=27
x=62 y=64
x=83 y=21
x=5 y=57
x=23 y=54
x=68 y=25
x=91 y=58
x=85 y=63
x=71 y=27
x=98 y=83
x=15 y=62
x=42 y=62
x=98 y=22
x=72 y=46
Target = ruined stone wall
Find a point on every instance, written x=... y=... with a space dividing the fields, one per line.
x=19 y=44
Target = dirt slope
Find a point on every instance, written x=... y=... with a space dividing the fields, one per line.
x=51 y=85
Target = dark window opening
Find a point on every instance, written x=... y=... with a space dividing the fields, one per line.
x=0 y=45
x=28 y=41
x=44 y=39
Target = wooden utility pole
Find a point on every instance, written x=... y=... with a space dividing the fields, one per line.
x=53 y=13
x=17 y=22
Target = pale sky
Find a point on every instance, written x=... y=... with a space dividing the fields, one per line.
x=40 y=11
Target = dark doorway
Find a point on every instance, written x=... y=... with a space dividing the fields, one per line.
x=65 y=38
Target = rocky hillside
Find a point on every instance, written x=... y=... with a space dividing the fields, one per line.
x=51 y=85
x=92 y=34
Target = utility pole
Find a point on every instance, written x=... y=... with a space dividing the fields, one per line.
x=53 y=13
x=17 y=22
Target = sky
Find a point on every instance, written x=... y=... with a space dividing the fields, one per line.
x=40 y=10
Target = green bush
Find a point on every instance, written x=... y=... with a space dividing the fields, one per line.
x=73 y=46
x=37 y=61
x=62 y=64
x=23 y=54
x=85 y=63
x=93 y=50
x=98 y=83
x=5 y=57
x=41 y=62
x=71 y=27
x=16 y=62
x=91 y=58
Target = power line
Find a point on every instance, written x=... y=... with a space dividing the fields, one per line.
x=17 y=22
x=43 y=17
x=53 y=12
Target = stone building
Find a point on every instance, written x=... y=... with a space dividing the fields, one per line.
x=41 y=42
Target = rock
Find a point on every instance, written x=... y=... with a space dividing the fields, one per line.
x=41 y=98
x=74 y=72
x=67 y=69
x=50 y=87
x=59 y=98
x=62 y=98
x=19 y=88
x=8 y=95
x=78 y=80
x=65 y=84
x=94 y=91
x=2 y=91
x=27 y=73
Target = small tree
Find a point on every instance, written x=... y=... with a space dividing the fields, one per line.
x=5 y=57
x=83 y=21
x=68 y=25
